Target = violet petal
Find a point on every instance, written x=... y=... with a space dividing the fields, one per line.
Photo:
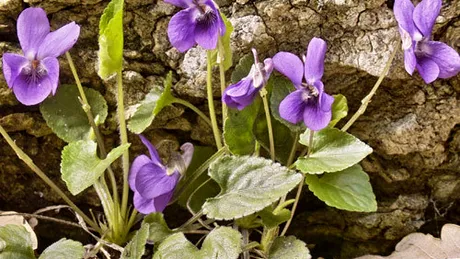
x=425 y=14
x=152 y=181
x=220 y=21
x=314 y=63
x=291 y=108
x=187 y=153
x=51 y=64
x=144 y=206
x=60 y=41
x=410 y=61
x=180 y=3
x=403 y=11
x=162 y=201
x=314 y=117
x=32 y=26
x=137 y=164
x=29 y=91
x=289 y=65
x=12 y=65
x=152 y=151
x=324 y=99
x=445 y=57
x=428 y=69
x=240 y=94
x=181 y=30
x=207 y=32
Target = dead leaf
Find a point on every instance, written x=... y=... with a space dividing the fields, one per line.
x=421 y=246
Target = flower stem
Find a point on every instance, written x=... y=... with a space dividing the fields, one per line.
x=87 y=108
x=299 y=189
x=293 y=150
x=263 y=94
x=212 y=113
x=124 y=140
x=193 y=108
x=222 y=76
x=367 y=99
x=28 y=161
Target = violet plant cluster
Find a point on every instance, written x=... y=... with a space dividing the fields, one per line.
x=155 y=182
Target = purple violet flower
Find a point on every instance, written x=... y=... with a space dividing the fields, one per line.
x=242 y=94
x=152 y=182
x=309 y=101
x=433 y=59
x=34 y=75
x=199 y=23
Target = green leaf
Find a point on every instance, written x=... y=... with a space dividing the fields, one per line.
x=238 y=133
x=225 y=47
x=243 y=68
x=281 y=87
x=272 y=219
x=136 y=247
x=210 y=189
x=81 y=167
x=152 y=104
x=289 y=247
x=349 y=189
x=248 y=184
x=339 y=109
x=333 y=150
x=175 y=247
x=15 y=243
x=64 y=249
x=158 y=229
x=221 y=243
x=110 y=54
x=64 y=114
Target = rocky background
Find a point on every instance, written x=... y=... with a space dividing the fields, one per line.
x=413 y=127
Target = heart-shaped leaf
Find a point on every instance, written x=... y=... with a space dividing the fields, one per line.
x=349 y=189
x=248 y=184
x=15 y=242
x=288 y=247
x=81 y=167
x=64 y=114
x=333 y=150
x=158 y=227
x=64 y=249
x=136 y=247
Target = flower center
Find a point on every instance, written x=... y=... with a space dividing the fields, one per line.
x=310 y=92
x=207 y=15
x=34 y=71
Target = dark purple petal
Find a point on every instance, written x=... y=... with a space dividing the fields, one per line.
x=137 y=164
x=153 y=181
x=292 y=107
x=425 y=15
x=445 y=57
x=207 y=31
x=240 y=94
x=314 y=64
x=51 y=65
x=33 y=26
x=180 y=3
x=162 y=201
x=181 y=30
x=12 y=65
x=144 y=206
x=410 y=61
x=289 y=65
x=187 y=153
x=428 y=70
x=58 y=42
x=325 y=100
x=155 y=158
x=403 y=10
x=220 y=21
x=315 y=118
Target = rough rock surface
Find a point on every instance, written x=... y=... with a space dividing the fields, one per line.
x=413 y=127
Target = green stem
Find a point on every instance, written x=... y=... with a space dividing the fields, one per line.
x=268 y=236
x=87 y=108
x=124 y=140
x=212 y=113
x=28 y=161
x=263 y=94
x=293 y=150
x=367 y=99
x=222 y=76
x=193 y=108
x=299 y=189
